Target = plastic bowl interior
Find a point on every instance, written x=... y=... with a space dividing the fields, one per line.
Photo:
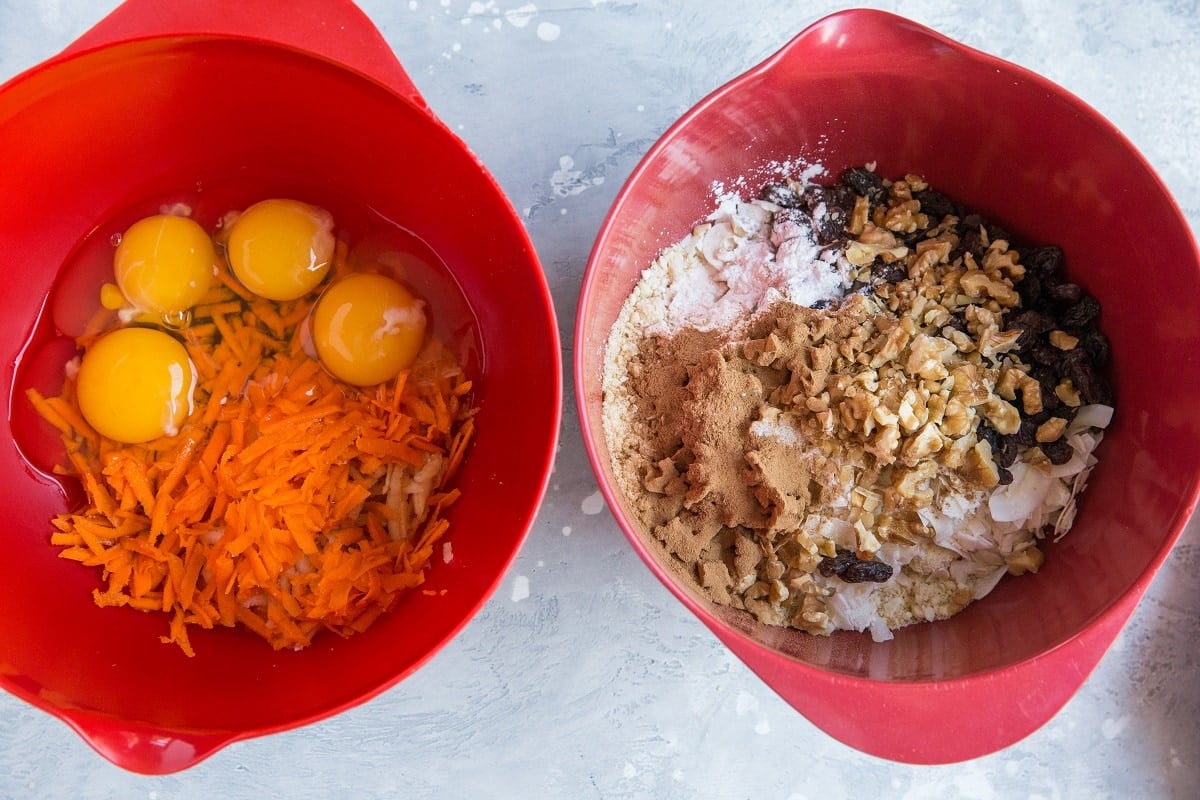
x=863 y=87
x=95 y=135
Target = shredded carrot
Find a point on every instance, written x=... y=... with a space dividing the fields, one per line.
x=289 y=503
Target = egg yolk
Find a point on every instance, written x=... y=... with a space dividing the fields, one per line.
x=135 y=384
x=281 y=249
x=164 y=264
x=367 y=328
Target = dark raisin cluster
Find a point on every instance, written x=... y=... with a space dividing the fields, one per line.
x=852 y=569
x=1051 y=302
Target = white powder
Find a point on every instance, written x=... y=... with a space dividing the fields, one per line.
x=737 y=264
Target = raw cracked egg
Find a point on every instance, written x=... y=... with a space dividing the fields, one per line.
x=366 y=328
x=281 y=249
x=135 y=384
x=164 y=264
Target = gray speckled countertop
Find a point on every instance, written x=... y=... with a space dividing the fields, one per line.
x=582 y=677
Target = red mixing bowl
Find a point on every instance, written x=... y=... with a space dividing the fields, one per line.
x=862 y=86
x=309 y=103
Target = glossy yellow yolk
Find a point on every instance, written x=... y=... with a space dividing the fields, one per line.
x=367 y=328
x=136 y=384
x=281 y=249
x=164 y=264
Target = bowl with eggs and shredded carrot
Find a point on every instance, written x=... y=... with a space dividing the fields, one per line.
x=273 y=439
x=864 y=372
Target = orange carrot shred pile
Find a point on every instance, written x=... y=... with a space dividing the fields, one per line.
x=288 y=503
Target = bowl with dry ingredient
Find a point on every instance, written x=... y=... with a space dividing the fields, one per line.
x=271 y=436
x=865 y=377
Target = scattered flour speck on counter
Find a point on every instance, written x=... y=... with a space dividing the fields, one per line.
x=548 y=31
x=592 y=504
x=629 y=771
x=566 y=180
x=566 y=530
x=746 y=703
x=1111 y=728
x=520 y=588
x=522 y=16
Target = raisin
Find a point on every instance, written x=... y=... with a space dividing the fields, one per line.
x=889 y=273
x=1045 y=354
x=1047 y=379
x=1032 y=324
x=1078 y=315
x=911 y=240
x=972 y=242
x=995 y=232
x=957 y=321
x=1040 y=417
x=827 y=220
x=830 y=226
x=781 y=195
x=1026 y=435
x=1064 y=291
x=836 y=565
x=1004 y=475
x=865 y=183
x=850 y=568
x=1030 y=290
x=820 y=304
x=1008 y=452
x=840 y=196
x=937 y=205
x=794 y=216
x=1091 y=387
x=990 y=435
x=812 y=198
x=1005 y=449
x=866 y=571
x=1043 y=260
x=1058 y=451
x=1095 y=344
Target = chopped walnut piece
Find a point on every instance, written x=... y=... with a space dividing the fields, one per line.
x=1063 y=340
x=913 y=484
x=875 y=242
x=905 y=217
x=1002 y=415
x=1051 y=430
x=1067 y=393
x=993 y=342
x=858 y=216
x=927 y=442
x=1028 y=560
x=980 y=467
x=1031 y=394
x=974 y=282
